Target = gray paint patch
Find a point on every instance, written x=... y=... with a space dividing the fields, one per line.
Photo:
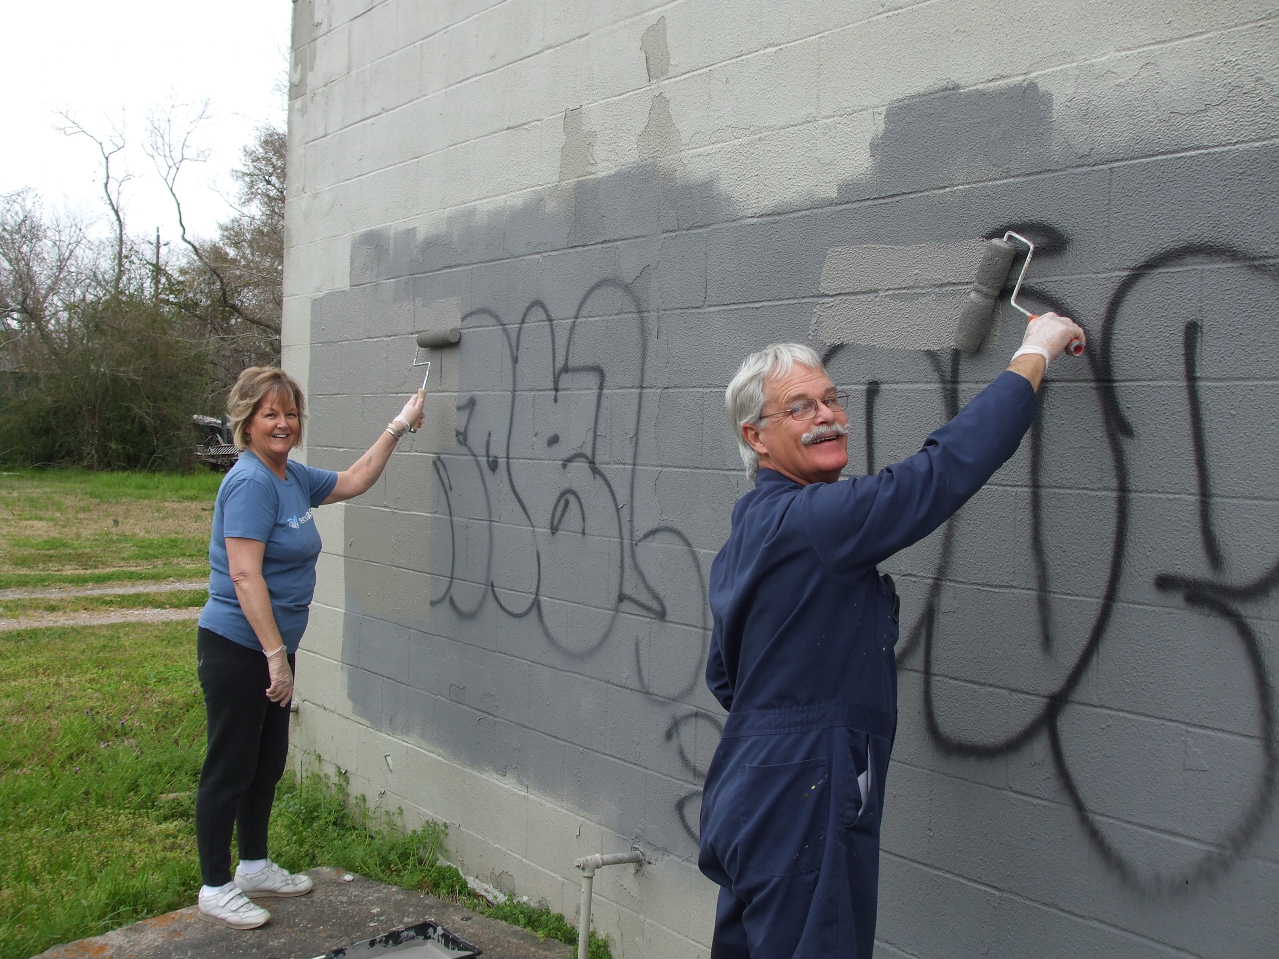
x=896 y=299
x=659 y=137
x=437 y=316
x=910 y=320
x=657 y=55
x=959 y=136
x=883 y=266
x=577 y=156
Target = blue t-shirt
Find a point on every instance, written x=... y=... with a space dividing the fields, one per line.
x=254 y=503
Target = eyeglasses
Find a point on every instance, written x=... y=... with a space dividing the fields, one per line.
x=804 y=408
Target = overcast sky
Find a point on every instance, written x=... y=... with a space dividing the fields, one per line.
x=111 y=64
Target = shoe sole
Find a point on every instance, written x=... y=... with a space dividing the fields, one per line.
x=219 y=921
x=274 y=894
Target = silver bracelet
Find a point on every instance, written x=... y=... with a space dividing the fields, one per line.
x=278 y=649
x=391 y=430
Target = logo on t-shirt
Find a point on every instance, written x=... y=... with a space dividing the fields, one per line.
x=297 y=522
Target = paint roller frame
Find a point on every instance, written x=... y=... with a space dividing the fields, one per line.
x=977 y=313
x=429 y=340
x=1075 y=347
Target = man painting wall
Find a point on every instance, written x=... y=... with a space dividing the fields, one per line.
x=802 y=643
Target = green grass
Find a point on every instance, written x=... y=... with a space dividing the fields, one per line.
x=44 y=605
x=76 y=528
x=109 y=487
x=148 y=574
x=96 y=725
x=101 y=741
x=119 y=550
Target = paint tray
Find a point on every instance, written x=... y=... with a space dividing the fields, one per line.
x=426 y=940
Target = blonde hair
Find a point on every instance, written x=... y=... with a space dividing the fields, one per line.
x=253 y=386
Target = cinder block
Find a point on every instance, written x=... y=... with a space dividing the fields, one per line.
x=1040 y=850
x=1181 y=665
x=324 y=631
x=1199 y=92
x=775 y=88
x=624 y=927
x=471 y=109
x=616 y=207
x=490 y=38
x=545 y=85
x=697 y=503
x=917 y=746
x=621 y=805
x=340 y=11
x=332 y=58
x=417 y=21
x=961 y=914
x=543 y=763
x=379 y=647
x=661 y=941
x=1019 y=925
x=557 y=838
x=374 y=34
x=324 y=682
x=887 y=950
x=1230 y=197
x=675 y=890
x=669 y=428
x=1196 y=784
x=616 y=59
x=848 y=83
x=707 y=346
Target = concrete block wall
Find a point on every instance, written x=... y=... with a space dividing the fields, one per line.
x=615 y=202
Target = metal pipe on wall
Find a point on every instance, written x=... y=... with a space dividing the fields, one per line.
x=588 y=867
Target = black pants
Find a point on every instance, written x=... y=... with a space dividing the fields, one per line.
x=247 y=746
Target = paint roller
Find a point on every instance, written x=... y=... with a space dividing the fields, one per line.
x=433 y=340
x=977 y=312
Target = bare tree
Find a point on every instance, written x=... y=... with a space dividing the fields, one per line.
x=43 y=266
x=112 y=188
x=233 y=263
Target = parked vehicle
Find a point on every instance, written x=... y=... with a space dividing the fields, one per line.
x=215 y=448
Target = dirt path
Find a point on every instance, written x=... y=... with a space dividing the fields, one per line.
x=109 y=590
x=103 y=617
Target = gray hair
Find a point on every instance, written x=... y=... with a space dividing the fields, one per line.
x=744 y=398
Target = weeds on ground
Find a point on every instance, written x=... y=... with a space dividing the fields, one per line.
x=318 y=821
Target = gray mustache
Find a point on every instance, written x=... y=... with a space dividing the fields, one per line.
x=818 y=433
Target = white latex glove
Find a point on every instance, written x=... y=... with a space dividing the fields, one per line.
x=281 y=688
x=1050 y=335
x=411 y=416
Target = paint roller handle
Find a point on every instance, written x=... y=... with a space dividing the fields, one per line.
x=1075 y=347
x=412 y=413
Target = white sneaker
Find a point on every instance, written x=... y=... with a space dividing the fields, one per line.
x=230 y=905
x=272 y=880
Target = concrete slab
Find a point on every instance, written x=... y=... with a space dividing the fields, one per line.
x=338 y=914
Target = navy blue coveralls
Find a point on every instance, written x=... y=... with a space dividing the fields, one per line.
x=802 y=658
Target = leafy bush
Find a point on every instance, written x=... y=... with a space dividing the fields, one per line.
x=116 y=390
